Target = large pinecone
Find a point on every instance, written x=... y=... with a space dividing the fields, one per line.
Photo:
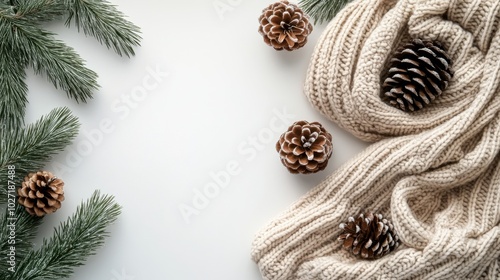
x=369 y=236
x=41 y=193
x=419 y=72
x=305 y=147
x=284 y=26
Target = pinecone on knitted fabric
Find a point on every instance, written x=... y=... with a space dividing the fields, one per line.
x=305 y=147
x=369 y=236
x=41 y=193
x=419 y=72
x=284 y=26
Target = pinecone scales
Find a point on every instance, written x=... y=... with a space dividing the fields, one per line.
x=41 y=193
x=284 y=26
x=420 y=71
x=305 y=147
x=369 y=236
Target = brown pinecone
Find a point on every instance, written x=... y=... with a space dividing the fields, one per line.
x=284 y=26
x=419 y=72
x=305 y=147
x=41 y=193
x=369 y=236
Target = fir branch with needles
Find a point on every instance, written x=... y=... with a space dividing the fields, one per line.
x=26 y=43
x=38 y=11
x=103 y=21
x=26 y=227
x=49 y=56
x=322 y=10
x=22 y=147
x=72 y=243
x=74 y=240
x=13 y=88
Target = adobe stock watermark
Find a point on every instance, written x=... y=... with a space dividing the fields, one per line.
x=222 y=7
x=248 y=149
x=11 y=219
x=121 y=107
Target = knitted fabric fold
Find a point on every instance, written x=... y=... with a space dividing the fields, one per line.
x=435 y=173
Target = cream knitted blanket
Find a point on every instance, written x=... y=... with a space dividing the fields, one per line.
x=434 y=173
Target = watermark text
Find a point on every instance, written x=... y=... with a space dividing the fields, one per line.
x=11 y=217
x=248 y=149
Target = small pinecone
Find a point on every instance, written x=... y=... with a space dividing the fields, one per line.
x=41 y=193
x=284 y=26
x=419 y=72
x=369 y=236
x=305 y=147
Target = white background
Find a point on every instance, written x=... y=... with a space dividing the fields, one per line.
x=223 y=89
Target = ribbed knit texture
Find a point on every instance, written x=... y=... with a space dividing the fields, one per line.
x=435 y=173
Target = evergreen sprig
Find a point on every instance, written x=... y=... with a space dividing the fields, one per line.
x=322 y=10
x=38 y=11
x=26 y=227
x=26 y=43
x=103 y=21
x=30 y=148
x=49 y=56
x=13 y=89
x=74 y=240
x=72 y=243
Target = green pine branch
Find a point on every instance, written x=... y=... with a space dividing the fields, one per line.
x=38 y=10
x=24 y=43
x=322 y=10
x=72 y=243
x=30 y=148
x=103 y=21
x=49 y=56
x=25 y=227
x=13 y=89
x=5 y=5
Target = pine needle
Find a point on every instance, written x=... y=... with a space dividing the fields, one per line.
x=72 y=243
x=30 y=148
x=25 y=229
x=323 y=10
x=49 y=56
x=103 y=21
x=25 y=43
x=39 y=10
x=13 y=89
